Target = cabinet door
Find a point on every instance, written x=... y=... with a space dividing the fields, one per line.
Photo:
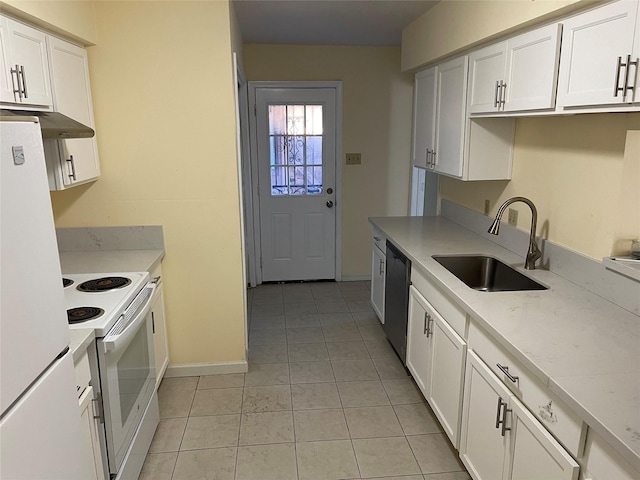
x=589 y=65
x=482 y=446
x=424 y=116
x=418 y=343
x=72 y=97
x=6 y=85
x=160 y=345
x=28 y=50
x=446 y=379
x=90 y=434
x=486 y=69
x=535 y=454
x=377 y=281
x=451 y=116
x=532 y=69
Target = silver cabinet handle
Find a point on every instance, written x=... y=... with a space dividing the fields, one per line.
x=495 y=96
x=18 y=90
x=626 y=76
x=502 y=406
x=381 y=267
x=427 y=324
x=426 y=157
x=435 y=159
x=24 y=81
x=503 y=93
x=498 y=412
x=505 y=370
x=72 y=175
x=616 y=87
x=99 y=408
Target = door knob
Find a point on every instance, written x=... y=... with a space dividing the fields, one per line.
x=329 y=204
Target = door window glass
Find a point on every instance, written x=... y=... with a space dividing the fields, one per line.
x=295 y=144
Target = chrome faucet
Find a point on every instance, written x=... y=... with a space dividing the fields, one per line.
x=534 y=252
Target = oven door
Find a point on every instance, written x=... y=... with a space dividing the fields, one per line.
x=127 y=374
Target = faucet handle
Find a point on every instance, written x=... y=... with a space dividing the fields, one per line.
x=533 y=255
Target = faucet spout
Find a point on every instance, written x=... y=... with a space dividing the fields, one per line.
x=534 y=252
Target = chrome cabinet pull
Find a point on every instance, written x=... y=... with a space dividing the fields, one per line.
x=495 y=96
x=72 y=175
x=427 y=324
x=503 y=93
x=626 y=76
x=498 y=412
x=153 y=323
x=435 y=159
x=616 y=83
x=24 y=81
x=502 y=421
x=98 y=402
x=505 y=370
x=381 y=267
x=18 y=90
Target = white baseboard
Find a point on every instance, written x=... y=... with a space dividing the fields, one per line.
x=197 y=369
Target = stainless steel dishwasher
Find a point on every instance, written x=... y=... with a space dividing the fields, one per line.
x=396 y=306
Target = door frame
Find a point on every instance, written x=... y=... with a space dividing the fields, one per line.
x=253 y=173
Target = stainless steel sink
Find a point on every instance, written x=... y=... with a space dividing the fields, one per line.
x=487 y=274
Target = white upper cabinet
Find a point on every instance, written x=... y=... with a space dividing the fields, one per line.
x=72 y=161
x=518 y=74
x=599 y=62
x=445 y=140
x=451 y=116
x=25 y=76
x=424 y=117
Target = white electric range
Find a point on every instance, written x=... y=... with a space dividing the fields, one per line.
x=118 y=307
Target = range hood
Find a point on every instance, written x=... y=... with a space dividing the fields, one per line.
x=54 y=125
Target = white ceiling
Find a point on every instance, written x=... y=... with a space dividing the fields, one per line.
x=327 y=22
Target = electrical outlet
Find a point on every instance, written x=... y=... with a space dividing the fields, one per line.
x=487 y=207
x=513 y=217
x=354 y=158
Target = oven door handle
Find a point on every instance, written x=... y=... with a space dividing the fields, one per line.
x=127 y=325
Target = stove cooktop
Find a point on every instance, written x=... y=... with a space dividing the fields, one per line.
x=112 y=302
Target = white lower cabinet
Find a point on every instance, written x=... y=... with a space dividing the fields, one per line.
x=378 y=272
x=378 y=267
x=90 y=431
x=159 y=323
x=500 y=439
x=436 y=358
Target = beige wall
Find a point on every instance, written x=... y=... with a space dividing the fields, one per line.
x=575 y=170
x=162 y=84
x=377 y=102
x=73 y=19
x=453 y=25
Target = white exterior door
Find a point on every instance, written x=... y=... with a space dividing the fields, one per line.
x=296 y=156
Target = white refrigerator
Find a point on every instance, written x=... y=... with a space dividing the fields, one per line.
x=40 y=432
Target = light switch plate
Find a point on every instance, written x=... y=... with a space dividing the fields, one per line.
x=513 y=217
x=354 y=158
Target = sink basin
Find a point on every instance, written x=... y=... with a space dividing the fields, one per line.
x=487 y=274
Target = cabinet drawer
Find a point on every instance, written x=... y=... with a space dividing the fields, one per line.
x=379 y=239
x=556 y=417
x=450 y=311
x=83 y=373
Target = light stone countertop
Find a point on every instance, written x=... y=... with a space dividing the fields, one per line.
x=585 y=348
x=107 y=261
x=81 y=338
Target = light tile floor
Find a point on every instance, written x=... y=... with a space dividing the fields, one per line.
x=325 y=398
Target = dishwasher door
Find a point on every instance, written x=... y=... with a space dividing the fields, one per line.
x=396 y=306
